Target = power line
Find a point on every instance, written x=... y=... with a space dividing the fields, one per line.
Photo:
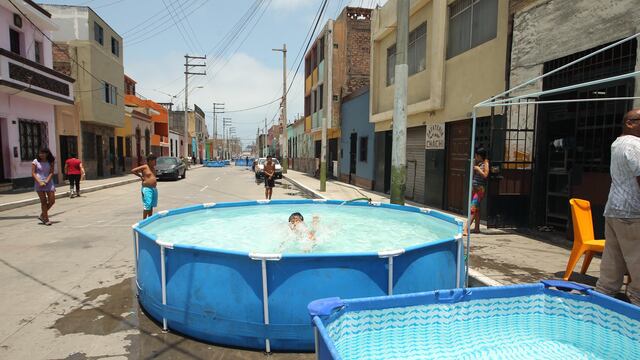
x=177 y=25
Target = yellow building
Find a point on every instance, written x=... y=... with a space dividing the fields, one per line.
x=456 y=56
x=88 y=126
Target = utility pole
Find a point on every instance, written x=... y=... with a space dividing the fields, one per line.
x=328 y=119
x=399 y=146
x=266 y=135
x=218 y=108
x=187 y=67
x=283 y=120
x=225 y=148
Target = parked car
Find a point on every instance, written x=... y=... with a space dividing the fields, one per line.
x=169 y=167
x=259 y=168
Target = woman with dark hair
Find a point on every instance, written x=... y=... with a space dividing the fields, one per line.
x=42 y=173
x=480 y=175
x=75 y=172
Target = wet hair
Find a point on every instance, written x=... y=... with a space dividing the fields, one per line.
x=50 y=158
x=294 y=215
x=151 y=157
x=482 y=152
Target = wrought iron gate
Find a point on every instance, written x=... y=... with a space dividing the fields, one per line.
x=511 y=157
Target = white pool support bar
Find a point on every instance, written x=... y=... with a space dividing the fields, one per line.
x=163 y=271
x=389 y=255
x=263 y=258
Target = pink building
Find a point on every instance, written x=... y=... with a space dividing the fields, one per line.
x=29 y=89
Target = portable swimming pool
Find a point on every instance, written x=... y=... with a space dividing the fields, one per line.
x=196 y=271
x=539 y=321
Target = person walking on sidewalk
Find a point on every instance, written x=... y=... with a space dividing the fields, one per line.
x=42 y=173
x=269 y=173
x=147 y=174
x=622 y=213
x=75 y=172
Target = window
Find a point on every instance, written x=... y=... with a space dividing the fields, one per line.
x=321 y=49
x=417 y=49
x=110 y=93
x=98 y=33
x=320 y=96
x=14 y=39
x=391 y=65
x=471 y=23
x=38 y=52
x=115 y=47
x=33 y=136
x=315 y=101
x=364 y=146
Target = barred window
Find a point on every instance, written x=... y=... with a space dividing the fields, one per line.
x=33 y=137
x=391 y=65
x=471 y=23
x=417 y=49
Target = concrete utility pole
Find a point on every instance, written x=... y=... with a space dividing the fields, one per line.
x=187 y=67
x=225 y=146
x=283 y=119
x=399 y=147
x=328 y=119
x=218 y=108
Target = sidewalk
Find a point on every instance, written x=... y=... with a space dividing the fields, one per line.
x=506 y=257
x=19 y=198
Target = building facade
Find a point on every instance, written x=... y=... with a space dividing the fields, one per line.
x=455 y=60
x=29 y=90
x=357 y=141
x=89 y=51
x=570 y=154
x=349 y=72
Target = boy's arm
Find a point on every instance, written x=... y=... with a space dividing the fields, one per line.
x=137 y=171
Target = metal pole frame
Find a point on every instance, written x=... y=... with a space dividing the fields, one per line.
x=389 y=255
x=163 y=271
x=136 y=252
x=263 y=258
x=502 y=100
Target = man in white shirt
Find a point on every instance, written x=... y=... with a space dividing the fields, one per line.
x=622 y=213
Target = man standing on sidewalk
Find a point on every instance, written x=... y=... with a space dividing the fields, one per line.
x=622 y=213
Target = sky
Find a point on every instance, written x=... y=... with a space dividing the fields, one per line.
x=242 y=73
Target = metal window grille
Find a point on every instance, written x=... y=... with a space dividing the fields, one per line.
x=33 y=137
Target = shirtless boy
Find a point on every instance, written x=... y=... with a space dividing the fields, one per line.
x=147 y=174
x=269 y=173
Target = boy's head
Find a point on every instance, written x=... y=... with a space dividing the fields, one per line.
x=269 y=158
x=151 y=159
x=296 y=218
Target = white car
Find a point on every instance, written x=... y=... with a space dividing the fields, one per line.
x=259 y=170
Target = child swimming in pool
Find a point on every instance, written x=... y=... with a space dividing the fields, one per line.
x=300 y=229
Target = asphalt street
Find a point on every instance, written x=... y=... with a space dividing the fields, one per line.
x=68 y=290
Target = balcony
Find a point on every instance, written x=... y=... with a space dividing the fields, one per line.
x=29 y=79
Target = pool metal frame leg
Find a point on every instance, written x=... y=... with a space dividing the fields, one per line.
x=265 y=289
x=390 y=255
x=163 y=270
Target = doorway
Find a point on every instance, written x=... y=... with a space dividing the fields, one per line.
x=121 y=153
x=458 y=143
x=68 y=145
x=353 y=157
x=99 y=156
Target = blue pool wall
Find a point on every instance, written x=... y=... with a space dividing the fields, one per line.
x=333 y=308
x=216 y=295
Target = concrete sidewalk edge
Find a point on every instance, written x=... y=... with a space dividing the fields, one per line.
x=475 y=276
x=310 y=192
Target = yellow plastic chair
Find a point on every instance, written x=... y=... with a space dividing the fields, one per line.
x=584 y=241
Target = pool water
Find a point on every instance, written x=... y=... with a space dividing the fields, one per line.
x=338 y=229
x=531 y=327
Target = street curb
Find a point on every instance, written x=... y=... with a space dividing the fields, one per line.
x=481 y=279
x=475 y=276
x=304 y=189
x=62 y=194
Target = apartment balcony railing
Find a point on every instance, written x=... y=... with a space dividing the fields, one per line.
x=27 y=78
